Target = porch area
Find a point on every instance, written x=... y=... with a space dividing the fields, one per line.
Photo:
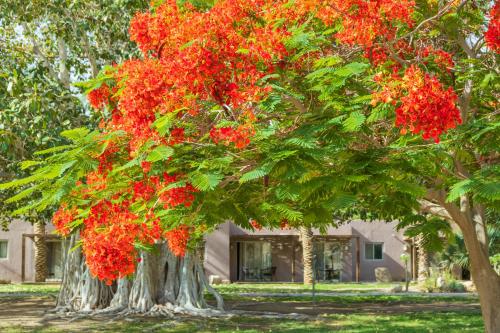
x=278 y=258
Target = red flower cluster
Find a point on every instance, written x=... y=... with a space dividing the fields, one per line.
x=62 y=218
x=183 y=195
x=423 y=104
x=492 y=35
x=146 y=166
x=364 y=21
x=108 y=239
x=240 y=136
x=142 y=191
x=194 y=57
x=180 y=195
x=99 y=97
x=256 y=225
x=176 y=136
x=106 y=158
x=95 y=182
x=441 y=58
x=177 y=240
x=284 y=225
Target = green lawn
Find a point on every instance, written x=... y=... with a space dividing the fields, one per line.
x=234 y=288
x=367 y=313
x=299 y=287
x=273 y=292
x=29 y=288
x=355 y=323
x=353 y=299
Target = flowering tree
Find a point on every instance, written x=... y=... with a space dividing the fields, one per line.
x=277 y=113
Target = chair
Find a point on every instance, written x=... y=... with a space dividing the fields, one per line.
x=268 y=273
x=246 y=273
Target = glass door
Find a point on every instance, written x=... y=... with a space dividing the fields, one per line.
x=328 y=260
x=54 y=260
x=255 y=260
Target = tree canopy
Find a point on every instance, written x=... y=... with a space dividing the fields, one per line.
x=46 y=47
x=282 y=113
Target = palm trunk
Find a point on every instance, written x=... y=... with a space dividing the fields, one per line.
x=423 y=260
x=40 y=252
x=306 y=237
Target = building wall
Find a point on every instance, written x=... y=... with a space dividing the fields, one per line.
x=221 y=250
x=10 y=268
x=394 y=245
x=217 y=253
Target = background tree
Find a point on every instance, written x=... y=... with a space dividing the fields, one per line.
x=46 y=47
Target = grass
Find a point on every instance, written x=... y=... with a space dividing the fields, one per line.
x=354 y=299
x=353 y=323
x=467 y=319
x=29 y=288
x=300 y=288
x=231 y=292
x=231 y=289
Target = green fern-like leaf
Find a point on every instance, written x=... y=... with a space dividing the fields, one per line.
x=160 y=153
x=459 y=189
x=354 y=121
x=205 y=181
x=75 y=134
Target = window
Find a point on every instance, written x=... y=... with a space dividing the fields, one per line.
x=373 y=251
x=3 y=249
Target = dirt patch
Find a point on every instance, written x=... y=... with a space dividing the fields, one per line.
x=30 y=313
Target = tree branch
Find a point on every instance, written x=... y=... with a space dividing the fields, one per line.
x=63 y=58
x=39 y=54
x=295 y=102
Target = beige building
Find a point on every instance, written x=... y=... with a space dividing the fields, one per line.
x=350 y=252
x=17 y=253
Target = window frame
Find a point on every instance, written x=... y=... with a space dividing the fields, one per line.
x=373 y=251
x=6 y=241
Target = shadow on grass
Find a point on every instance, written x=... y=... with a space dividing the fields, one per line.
x=352 y=323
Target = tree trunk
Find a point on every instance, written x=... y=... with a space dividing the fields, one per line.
x=471 y=221
x=423 y=259
x=485 y=278
x=163 y=284
x=40 y=252
x=306 y=237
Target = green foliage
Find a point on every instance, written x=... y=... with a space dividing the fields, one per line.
x=205 y=182
x=160 y=153
x=448 y=284
x=46 y=47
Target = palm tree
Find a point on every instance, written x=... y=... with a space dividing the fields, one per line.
x=306 y=237
x=423 y=259
x=456 y=254
x=40 y=252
